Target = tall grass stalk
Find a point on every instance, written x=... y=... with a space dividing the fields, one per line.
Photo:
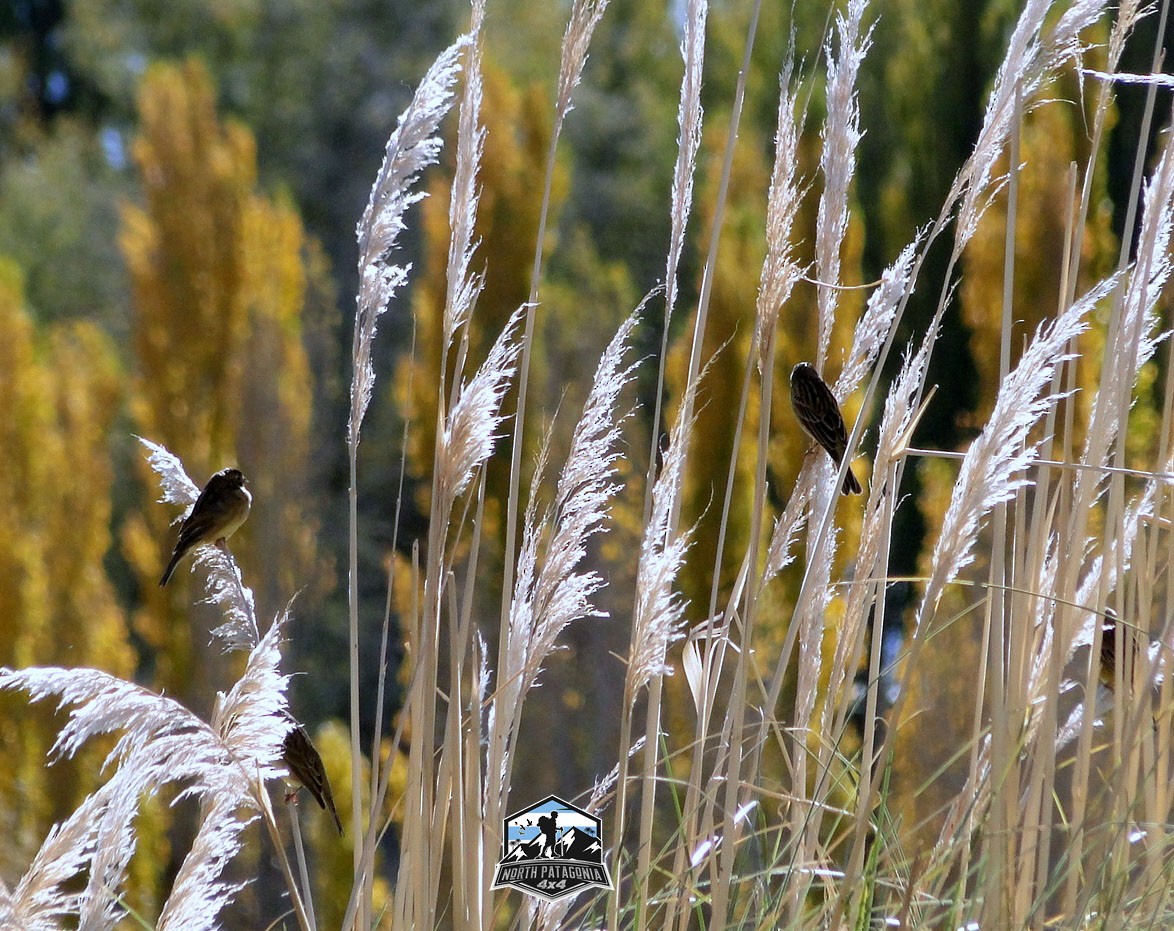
x=585 y=16
x=662 y=547
x=412 y=147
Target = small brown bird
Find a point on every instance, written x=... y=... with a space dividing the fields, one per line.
x=305 y=766
x=1108 y=663
x=1108 y=670
x=217 y=514
x=819 y=416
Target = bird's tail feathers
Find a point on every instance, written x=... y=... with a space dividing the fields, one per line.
x=175 y=557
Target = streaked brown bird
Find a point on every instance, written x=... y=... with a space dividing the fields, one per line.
x=305 y=767
x=819 y=416
x=217 y=514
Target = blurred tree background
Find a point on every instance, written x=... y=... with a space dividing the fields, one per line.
x=179 y=186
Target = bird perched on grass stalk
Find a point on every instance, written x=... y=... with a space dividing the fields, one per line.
x=305 y=767
x=819 y=416
x=217 y=514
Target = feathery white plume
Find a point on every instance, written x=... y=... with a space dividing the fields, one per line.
x=103 y=703
x=1134 y=341
x=225 y=588
x=250 y=718
x=244 y=739
x=412 y=147
x=689 y=114
x=173 y=479
x=1109 y=567
x=462 y=210
x=790 y=522
x=161 y=742
x=39 y=901
x=471 y=428
x=841 y=137
x=899 y=411
x=1032 y=54
x=199 y=894
x=993 y=468
x=559 y=594
x=585 y=16
x=100 y=906
x=547 y=598
x=780 y=271
x=659 y=609
x=873 y=328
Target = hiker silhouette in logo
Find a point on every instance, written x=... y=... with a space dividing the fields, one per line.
x=549 y=827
